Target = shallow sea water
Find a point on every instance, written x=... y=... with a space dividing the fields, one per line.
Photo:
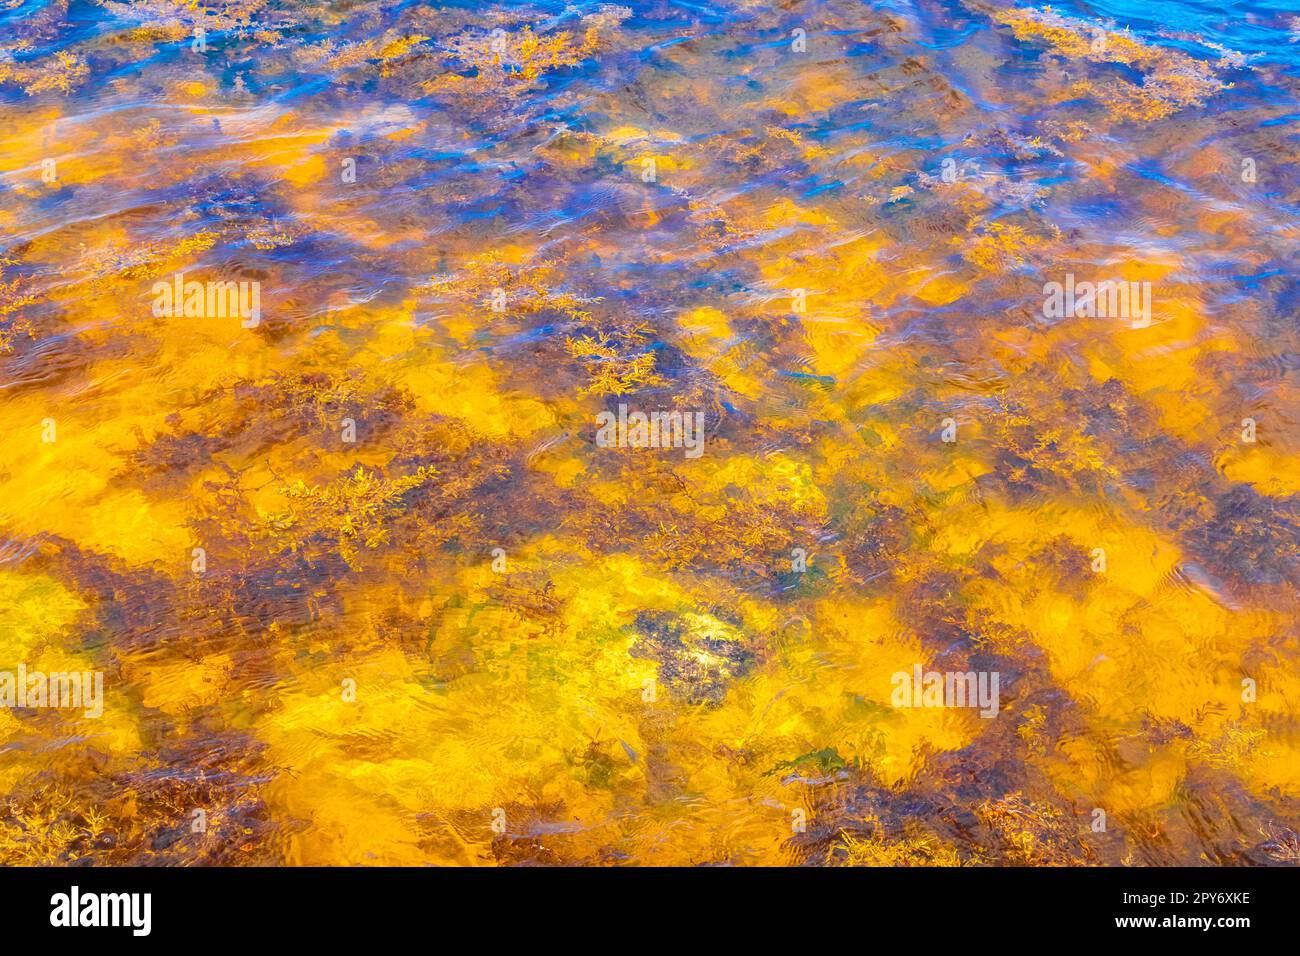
x=362 y=583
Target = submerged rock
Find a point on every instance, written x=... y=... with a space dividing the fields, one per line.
x=699 y=655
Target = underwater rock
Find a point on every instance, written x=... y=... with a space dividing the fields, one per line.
x=699 y=655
